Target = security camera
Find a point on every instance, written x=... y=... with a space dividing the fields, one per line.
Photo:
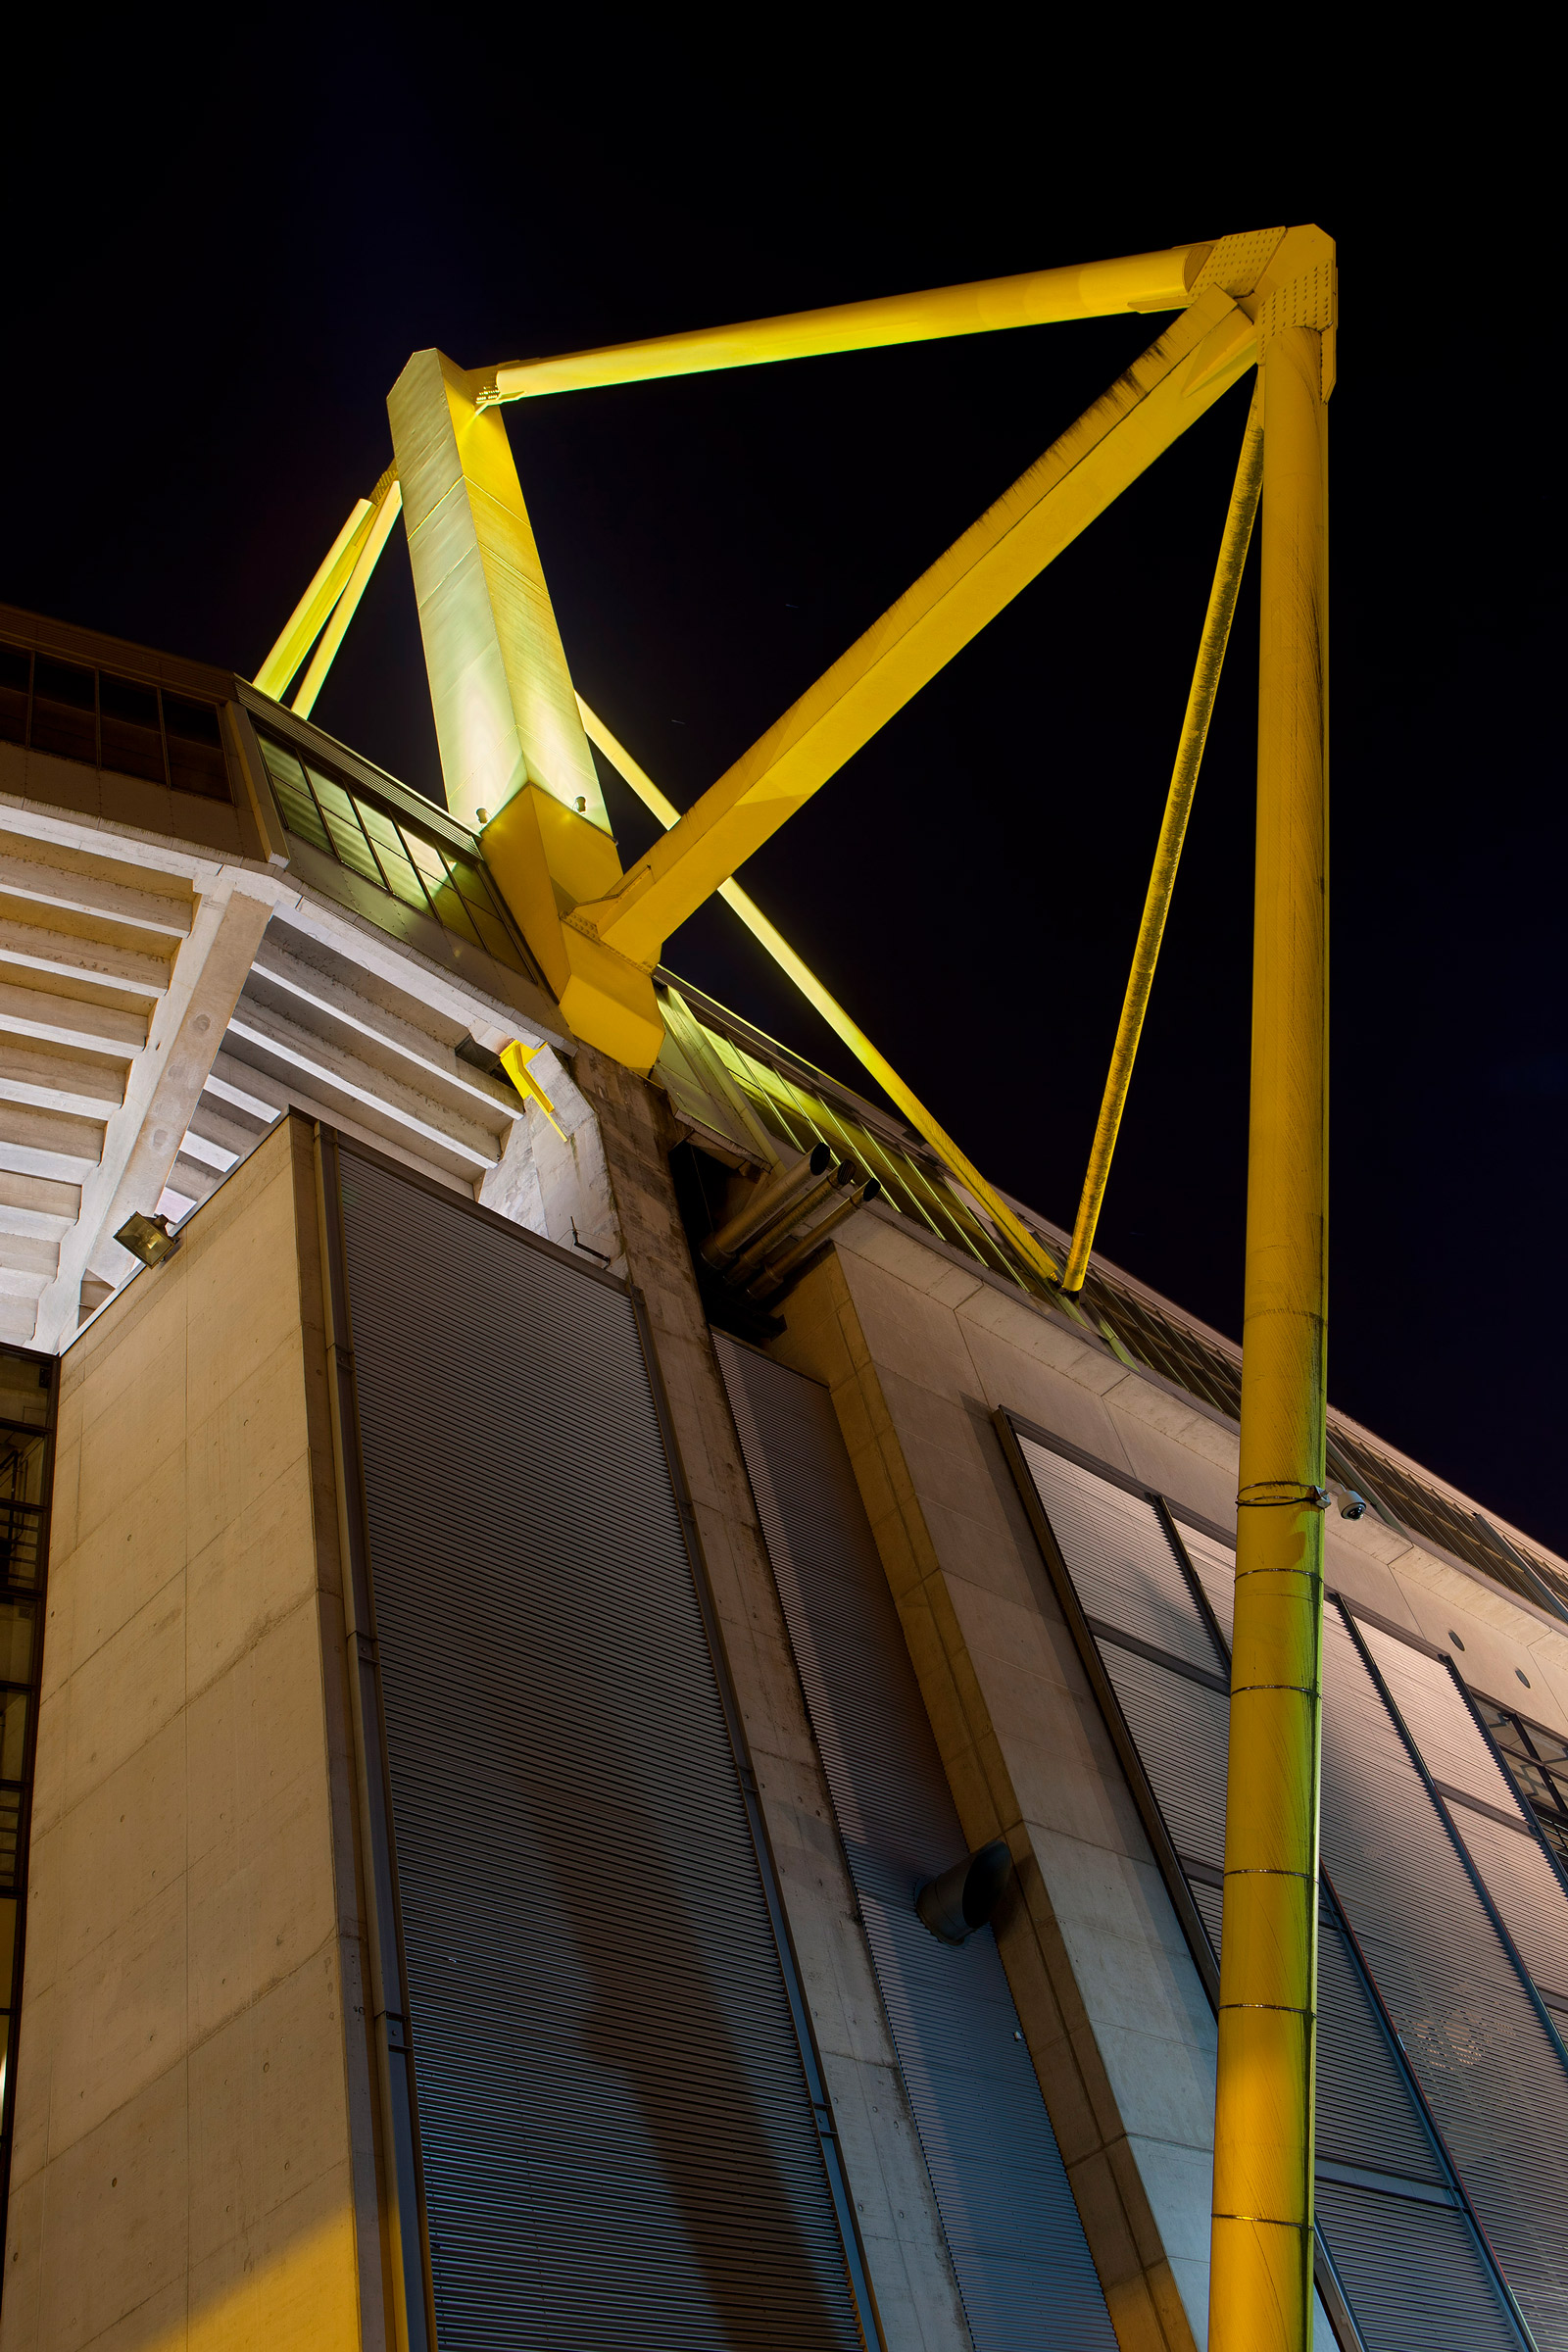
x=1352 y=1506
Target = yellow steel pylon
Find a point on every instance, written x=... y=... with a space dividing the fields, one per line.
x=516 y=758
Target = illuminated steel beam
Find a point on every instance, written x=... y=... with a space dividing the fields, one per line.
x=387 y=508
x=1260 y=2270
x=1142 y=281
x=304 y=624
x=1164 y=392
x=1234 y=543
x=832 y=1012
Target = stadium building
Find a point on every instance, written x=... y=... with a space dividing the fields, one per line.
x=615 y=1713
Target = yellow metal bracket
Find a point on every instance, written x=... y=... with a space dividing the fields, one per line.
x=514 y=1059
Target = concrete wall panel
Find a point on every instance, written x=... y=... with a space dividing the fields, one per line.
x=194 y=2157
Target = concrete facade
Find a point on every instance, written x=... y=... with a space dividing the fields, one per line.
x=194 y=2155
x=906 y=2252
x=918 y=1353
x=196 y=2139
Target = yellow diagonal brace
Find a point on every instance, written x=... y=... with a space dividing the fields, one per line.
x=1174 y=383
x=304 y=622
x=1234 y=544
x=833 y=1012
x=387 y=508
x=1142 y=281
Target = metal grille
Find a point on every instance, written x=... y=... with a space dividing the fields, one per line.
x=1514 y=1865
x=1421 y=2285
x=1018 y=2250
x=1485 y=2060
x=617 y=2137
x=1373 y=2142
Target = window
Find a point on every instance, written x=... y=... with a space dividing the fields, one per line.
x=386 y=850
x=1536 y=1762
x=103 y=720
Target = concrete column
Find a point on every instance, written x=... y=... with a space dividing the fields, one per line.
x=195 y=2153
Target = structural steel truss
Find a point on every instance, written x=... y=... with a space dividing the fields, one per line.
x=514 y=742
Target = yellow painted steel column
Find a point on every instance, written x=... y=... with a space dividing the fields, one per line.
x=1234 y=543
x=1260 y=2284
x=304 y=623
x=388 y=507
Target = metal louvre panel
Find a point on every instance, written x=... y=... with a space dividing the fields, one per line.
x=617 y=2136
x=1518 y=1873
x=1024 y=2271
x=1490 y=2071
x=1527 y=1893
x=1439 y=1720
x=1122 y=1563
x=1214 y=1564
x=1367 y=2115
x=1421 y=2285
x=1181 y=1728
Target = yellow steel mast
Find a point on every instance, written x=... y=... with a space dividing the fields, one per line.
x=514 y=753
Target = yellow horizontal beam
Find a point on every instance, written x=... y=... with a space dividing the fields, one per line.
x=832 y=1012
x=1140 y=281
x=1201 y=355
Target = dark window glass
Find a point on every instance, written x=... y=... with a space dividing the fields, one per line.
x=470 y=881
x=10 y=1821
x=13 y=1732
x=387 y=842
x=452 y=912
x=348 y=835
x=16 y=667
x=295 y=806
x=1555 y=1834
x=65 y=717
x=16 y=1641
x=196 y=761
x=493 y=933
x=132 y=738
x=388 y=852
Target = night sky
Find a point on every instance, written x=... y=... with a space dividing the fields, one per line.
x=212 y=284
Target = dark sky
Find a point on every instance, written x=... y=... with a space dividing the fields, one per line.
x=218 y=265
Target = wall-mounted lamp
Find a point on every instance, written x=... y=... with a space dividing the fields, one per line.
x=964 y=1896
x=148 y=1239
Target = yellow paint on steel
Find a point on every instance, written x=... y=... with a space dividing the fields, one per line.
x=832 y=1012
x=1142 y=281
x=1201 y=355
x=1260 y=2278
x=1234 y=544
x=304 y=623
x=514 y=1059
x=387 y=508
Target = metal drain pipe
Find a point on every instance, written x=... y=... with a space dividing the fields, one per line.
x=772 y=1195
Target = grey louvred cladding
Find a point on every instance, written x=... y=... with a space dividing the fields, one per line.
x=1025 y=2275
x=1389 y=2211
x=1509 y=1852
x=617 y=2142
